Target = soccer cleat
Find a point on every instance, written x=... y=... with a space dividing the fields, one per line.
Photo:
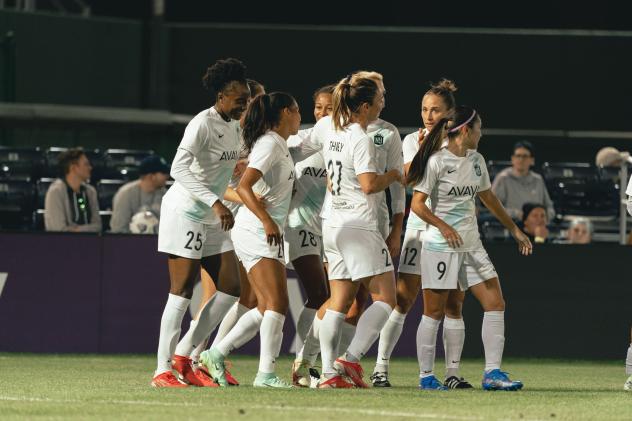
x=232 y=381
x=270 y=380
x=314 y=378
x=336 y=382
x=431 y=383
x=213 y=360
x=301 y=376
x=498 y=380
x=187 y=375
x=628 y=384
x=454 y=382
x=166 y=379
x=352 y=370
x=380 y=379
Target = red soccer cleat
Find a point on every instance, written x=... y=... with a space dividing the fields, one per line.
x=186 y=374
x=336 y=382
x=229 y=377
x=205 y=378
x=352 y=370
x=166 y=379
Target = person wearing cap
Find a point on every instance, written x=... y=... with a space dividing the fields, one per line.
x=142 y=194
x=517 y=185
x=71 y=203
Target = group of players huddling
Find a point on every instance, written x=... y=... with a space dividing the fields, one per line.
x=253 y=195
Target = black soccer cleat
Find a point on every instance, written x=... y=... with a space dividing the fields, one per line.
x=454 y=382
x=380 y=379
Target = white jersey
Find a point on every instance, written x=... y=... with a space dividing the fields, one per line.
x=214 y=146
x=348 y=153
x=234 y=180
x=628 y=191
x=310 y=186
x=410 y=147
x=452 y=183
x=271 y=156
x=388 y=156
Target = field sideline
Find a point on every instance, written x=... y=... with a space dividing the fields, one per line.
x=105 y=386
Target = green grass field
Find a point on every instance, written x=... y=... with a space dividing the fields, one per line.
x=92 y=386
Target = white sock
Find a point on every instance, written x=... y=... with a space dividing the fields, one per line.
x=271 y=332
x=347 y=332
x=311 y=347
x=170 y=326
x=305 y=321
x=229 y=321
x=628 y=362
x=369 y=327
x=244 y=330
x=211 y=314
x=493 y=333
x=195 y=355
x=453 y=339
x=329 y=333
x=427 y=345
x=389 y=336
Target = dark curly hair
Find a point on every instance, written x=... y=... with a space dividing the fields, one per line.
x=222 y=73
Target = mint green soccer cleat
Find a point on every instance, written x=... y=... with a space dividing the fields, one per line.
x=270 y=380
x=213 y=360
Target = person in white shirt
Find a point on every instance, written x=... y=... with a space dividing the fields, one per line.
x=195 y=223
x=258 y=235
x=452 y=253
x=247 y=298
x=303 y=237
x=355 y=249
x=628 y=361
x=438 y=102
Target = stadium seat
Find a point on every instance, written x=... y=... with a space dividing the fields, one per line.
x=494 y=167
x=106 y=216
x=17 y=200
x=21 y=162
x=123 y=163
x=38 y=220
x=106 y=189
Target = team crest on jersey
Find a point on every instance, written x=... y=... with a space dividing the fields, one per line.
x=378 y=139
x=477 y=170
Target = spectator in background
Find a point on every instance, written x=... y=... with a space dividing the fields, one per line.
x=534 y=220
x=71 y=204
x=140 y=195
x=518 y=185
x=580 y=231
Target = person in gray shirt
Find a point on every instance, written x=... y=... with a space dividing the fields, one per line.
x=71 y=204
x=517 y=185
x=139 y=195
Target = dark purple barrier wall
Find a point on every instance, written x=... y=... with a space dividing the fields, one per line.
x=84 y=293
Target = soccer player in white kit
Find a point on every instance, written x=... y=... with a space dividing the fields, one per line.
x=438 y=102
x=247 y=298
x=355 y=250
x=303 y=236
x=194 y=222
x=452 y=253
x=258 y=235
x=628 y=361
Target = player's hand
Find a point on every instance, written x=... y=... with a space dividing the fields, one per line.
x=273 y=233
x=224 y=214
x=451 y=236
x=394 y=243
x=524 y=244
x=421 y=136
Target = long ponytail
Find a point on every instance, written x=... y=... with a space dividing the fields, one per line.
x=431 y=144
x=264 y=113
x=349 y=94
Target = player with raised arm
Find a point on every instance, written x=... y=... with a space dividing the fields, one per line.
x=355 y=249
x=195 y=223
x=258 y=235
x=452 y=253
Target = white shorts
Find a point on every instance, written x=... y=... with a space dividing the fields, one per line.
x=449 y=270
x=251 y=247
x=355 y=253
x=183 y=237
x=301 y=242
x=410 y=257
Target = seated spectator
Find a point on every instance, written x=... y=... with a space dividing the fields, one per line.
x=580 y=231
x=140 y=195
x=518 y=185
x=71 y=203
x=534 y=220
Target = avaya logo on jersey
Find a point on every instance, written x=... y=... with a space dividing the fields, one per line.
x=463 y=191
